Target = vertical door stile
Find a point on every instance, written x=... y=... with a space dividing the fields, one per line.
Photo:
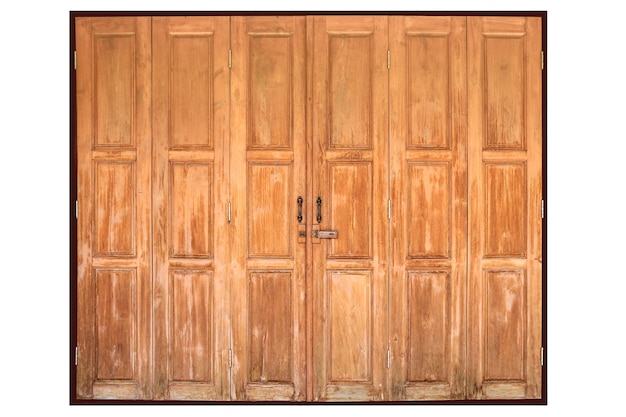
x=84 y=305
x=386 y=144
x=228 y=233
x=237 y=179
x=309 y=297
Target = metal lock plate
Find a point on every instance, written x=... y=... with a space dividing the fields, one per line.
x=325 y=234
x=301 y=233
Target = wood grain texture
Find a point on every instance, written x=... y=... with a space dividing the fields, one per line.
x=191 y=87
x=270 y=329
x=428 y=201
x=114 y=208
x=191 y=318
x=115 y=313
x=429 y=326
x=114 y=75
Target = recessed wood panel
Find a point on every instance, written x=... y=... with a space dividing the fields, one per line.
x=505 y=314
x=270 y=327
x=429 y=210
x=350 y=312
x=191 y=90
x=350 y=90
x=506 y=202
x=114 y=209
x=269 y=202
x=114 y=83
x=350 y=209
x=505 y=93
x=191 y=208
x=429 y=326
x=270 y=91
x=428 y=67
x=191 y=310
x=115 y=312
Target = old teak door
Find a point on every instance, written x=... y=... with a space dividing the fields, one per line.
x=309 y=208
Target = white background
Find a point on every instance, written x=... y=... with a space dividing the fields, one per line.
x=586 y=209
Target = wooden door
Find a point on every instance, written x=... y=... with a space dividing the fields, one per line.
x=505 y=192
x=190 y=135
x=267 y=177
x=113 y=92
x=212 y=151
x=428 y=143
x=349 y=175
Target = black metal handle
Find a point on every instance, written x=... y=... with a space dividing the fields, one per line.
x=319 y=210
x=299 y=209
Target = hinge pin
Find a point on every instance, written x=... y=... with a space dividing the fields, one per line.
x=230 y=58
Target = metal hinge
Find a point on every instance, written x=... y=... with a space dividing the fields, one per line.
x=74 y=59
x=230 y=358
x=542 y=210
x=388 y=59
x=389 y=209
x=76 y=209
x=542 y=60
x=76 y=356
x=230 y=58
x=542 y=356
x=229 y=212
x=388 y=358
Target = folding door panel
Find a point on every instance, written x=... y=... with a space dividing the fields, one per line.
x=113 y=208
x=505 y=191
x=267 y=177
x=190 y=127
x=428 y=207
x=349 y=175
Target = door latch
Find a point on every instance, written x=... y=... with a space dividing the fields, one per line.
x=325 y=234
x=301 y=233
